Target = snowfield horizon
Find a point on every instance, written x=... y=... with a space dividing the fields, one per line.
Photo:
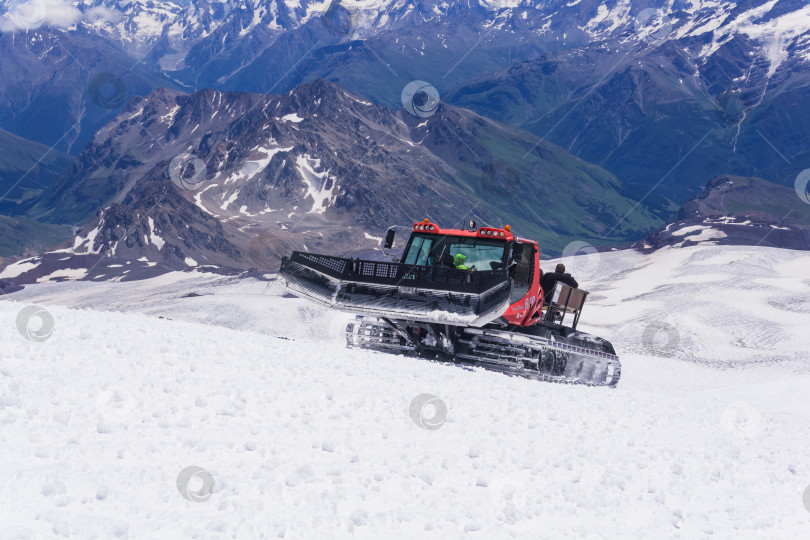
x=207 y=406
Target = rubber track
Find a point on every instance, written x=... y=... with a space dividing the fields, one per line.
x=379 y=336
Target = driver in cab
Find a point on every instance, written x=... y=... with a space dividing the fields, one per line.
x=459 y=262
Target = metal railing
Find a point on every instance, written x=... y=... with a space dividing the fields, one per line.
x=406 y=275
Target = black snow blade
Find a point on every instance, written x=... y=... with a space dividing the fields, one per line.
x=398 y=291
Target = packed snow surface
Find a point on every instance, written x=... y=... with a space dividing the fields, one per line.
x=706 y=435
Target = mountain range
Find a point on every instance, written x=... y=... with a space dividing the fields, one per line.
x=199 y=177
x=238 y=190
x=579 y=120
x=660 y=94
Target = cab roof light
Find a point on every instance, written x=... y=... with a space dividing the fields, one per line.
x=507 y=228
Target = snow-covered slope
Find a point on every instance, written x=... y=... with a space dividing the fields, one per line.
x=306 y=439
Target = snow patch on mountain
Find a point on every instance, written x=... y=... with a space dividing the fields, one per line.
x=141 y=23
x=775 y=34
x=154 y=239
x=377 y=239
x=493 y=5
x=608 y=19
x=72 y=274
x=86 y=244
x=251 y=168
x=230 y=199
x=319 y=186
x=292 y=117
x=169 y=116
x=198 y=199
x=254 y=167
x=704 y=233
x=19 y=267
x=778 y=34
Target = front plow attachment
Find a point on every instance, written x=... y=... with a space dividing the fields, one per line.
x=398 y=291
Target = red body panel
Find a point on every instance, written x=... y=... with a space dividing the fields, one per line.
x=527 y=310
x=480 y=232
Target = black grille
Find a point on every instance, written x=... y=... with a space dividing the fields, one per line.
x=387 y=273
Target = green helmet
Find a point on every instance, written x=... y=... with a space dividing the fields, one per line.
x=459 y=261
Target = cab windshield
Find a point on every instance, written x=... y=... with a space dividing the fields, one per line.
x=455 y=252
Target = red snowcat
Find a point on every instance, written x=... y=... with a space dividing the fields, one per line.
x=461 y=295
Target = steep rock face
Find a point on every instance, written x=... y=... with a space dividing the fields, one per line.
x=734 y=210
x=159 y=224
x=225 y=179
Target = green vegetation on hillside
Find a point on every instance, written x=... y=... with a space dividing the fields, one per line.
x=26 y=169
x=21 y=236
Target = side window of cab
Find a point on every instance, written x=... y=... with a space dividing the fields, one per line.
x=523 y=271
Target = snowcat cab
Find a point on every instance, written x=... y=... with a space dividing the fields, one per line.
x=468 y=295
x=425 y=285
